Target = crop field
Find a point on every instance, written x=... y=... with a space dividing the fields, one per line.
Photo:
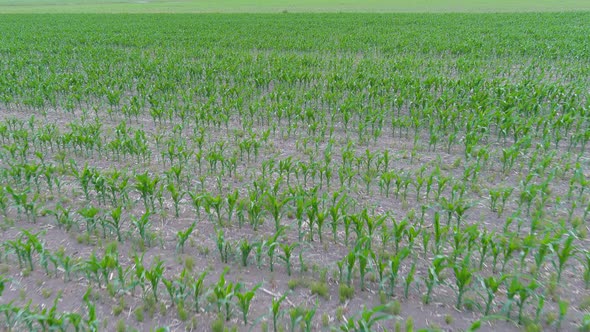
x=278 y=6
x=295 y=172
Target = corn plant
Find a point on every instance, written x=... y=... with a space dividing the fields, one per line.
x=197 y=201
x=586 y=263
x=287 y=250
x=363 y=260
x=176 y=197
x=245 y=249
x=232 y=200
x=223 y=246
x=380 y=264
x=115 y=221
x=463 y=278
x=154 y=276
x=215 y=202
x=492 y=286
x=183 y=237
x=435 y=277
x=563 y=253
x=275 y=311
x=255 y=212
x=367 y=318
x=271 y=245
x=108 y=263
x=224 y=292
x=276 y=206
x=24 y=202
x=524 y=293
x=563 y=307
x=394 y=266
x=244 y=300
x=308 y=317
x=89 y=214
x=143 y=227
x=197 y=287
x=146 y=185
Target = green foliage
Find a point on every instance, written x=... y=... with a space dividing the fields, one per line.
x=443 y=154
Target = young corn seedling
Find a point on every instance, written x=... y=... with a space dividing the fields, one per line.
x=312 y=214
x=176 y=197
x=232 y=200
x=372 y=223
x=385 y=181
x=295 y=316
x=300 y=208
x=492 y=286
x=3 y=201
x=259 y=250
x=398 y=232
x=245 y=249
x=159 y=195
x=512 y=289
x=308 y=317
x=524 y=293
x=320 y=220
x=197 y=287
x=143 y=227
x=276 y=206
x=183 y=237
x=366 y=320
x=440 y=233
x=271 y=245
x=223 y=246
x=215 y=202
x=98 y=180
x=147 y=189
x=92 y=269
x=585 y=260
x=115 y=221
x=362 y=253
x=563 y=254
x=350 y=263
x=508 y=247
x=381 y=265
x=66 y=263
x=435 y=277
x=276 y=311
x=508 y=157
x=197 y=200
x=21 y=250
x=91 y=322
x=83 y=177
x=287 y=253
x=25 y=203
x=336 y=217
x=543 y=248
x=394 y=266
x=244 y=300
x=224 y=292
x=563 y=307
x=172 y=291
x=347 y=222
x=363 y=259
x=463 y=277
x=494 y=197
x=117 y=183
x=255 y=212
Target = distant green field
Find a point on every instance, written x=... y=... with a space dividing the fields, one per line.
x=270 y=6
